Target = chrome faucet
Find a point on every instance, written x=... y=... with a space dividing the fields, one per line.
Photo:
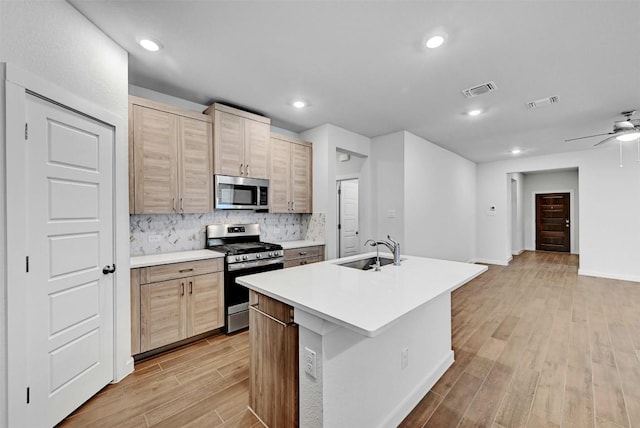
x=392 y=245
x=374 y=244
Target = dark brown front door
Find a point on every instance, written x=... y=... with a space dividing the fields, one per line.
x=552 y=222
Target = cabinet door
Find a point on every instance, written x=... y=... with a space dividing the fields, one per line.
x=256 y=148
x=206 y=303
x=301 y=178
x=228 y=144
x=155 y=152
x=162 y=309
x=273 y=370
x=195 y=166
x=279 y=175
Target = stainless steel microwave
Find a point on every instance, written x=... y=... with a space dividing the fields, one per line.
x=240 y=193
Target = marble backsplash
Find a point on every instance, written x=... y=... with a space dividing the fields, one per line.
x=165 y=233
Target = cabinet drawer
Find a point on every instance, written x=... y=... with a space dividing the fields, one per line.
x=180 y=270
x=298 y=253
x=301 y=262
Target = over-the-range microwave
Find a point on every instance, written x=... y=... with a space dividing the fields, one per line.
x=240 y=193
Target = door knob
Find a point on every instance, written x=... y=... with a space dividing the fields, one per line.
x=109 y=269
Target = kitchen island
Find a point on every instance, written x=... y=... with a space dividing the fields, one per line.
x=378 y=341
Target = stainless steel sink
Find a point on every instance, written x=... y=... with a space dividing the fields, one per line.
x=366 y=264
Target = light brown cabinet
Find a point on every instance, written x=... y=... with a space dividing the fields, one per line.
x=290 y=175
x=173 y=302
x=303 y=256
x=240 y=142
x=273 y=361
x=170 y=159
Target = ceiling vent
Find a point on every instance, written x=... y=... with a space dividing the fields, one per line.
x=543 y=102
x=480 y=89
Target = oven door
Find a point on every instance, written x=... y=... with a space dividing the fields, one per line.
x=236 y=297
x=240 y=193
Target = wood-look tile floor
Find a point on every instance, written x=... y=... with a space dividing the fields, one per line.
x=535 y=344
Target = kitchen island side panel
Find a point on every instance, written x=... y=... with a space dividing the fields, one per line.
x=361 y=380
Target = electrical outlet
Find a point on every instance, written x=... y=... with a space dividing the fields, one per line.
x=155 y=238
x=309 y=362
x=404 y=358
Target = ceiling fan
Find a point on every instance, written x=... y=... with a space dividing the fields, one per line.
x=623 y=130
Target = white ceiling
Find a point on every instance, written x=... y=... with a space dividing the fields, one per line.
x=363 y=66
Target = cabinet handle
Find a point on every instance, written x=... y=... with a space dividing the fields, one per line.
x=173 y=204
x=293 y=205
x=241 y=165
x=284 y=324
x=303 y=253
x=182 y=288
x=186 y=270
x=190 y=287
x=182 y=204
x=246 y=170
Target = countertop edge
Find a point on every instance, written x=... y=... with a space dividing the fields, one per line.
x=290 y=245
x=175 y=257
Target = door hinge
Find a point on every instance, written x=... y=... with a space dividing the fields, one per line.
x=26 y=131
x=27 y=263
x=28 y=395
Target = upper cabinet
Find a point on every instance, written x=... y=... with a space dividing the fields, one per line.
x=169 y=159
x=290 y=175
x=240 y=142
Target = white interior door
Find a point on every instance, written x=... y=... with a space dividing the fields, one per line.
x=349 y=236
x=70 y=239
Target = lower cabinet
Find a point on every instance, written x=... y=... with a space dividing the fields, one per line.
x=175 y=302
x=273 y=362
x=303 y=256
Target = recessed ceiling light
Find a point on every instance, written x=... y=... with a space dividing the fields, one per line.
x=515 y=151
x=435 y=41
x=474 y=112
x=299 y=104
x=150 y=45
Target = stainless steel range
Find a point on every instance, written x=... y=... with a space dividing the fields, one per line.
x=245 y=255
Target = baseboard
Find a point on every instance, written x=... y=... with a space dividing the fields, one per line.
x=633 y=278
x=407 y=405
x=517 y=253
x=128 y=370
x=493 y=262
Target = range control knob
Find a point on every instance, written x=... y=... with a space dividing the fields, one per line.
x=237 y=258
x=245 y=257
x=272 y=254
x=258 y=256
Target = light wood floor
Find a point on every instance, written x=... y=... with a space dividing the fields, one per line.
x=535 y=345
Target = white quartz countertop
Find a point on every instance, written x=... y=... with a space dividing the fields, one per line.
x=288 y=245
x=177 y=257
x=364 y=301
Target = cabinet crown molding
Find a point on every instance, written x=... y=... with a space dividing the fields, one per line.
x=235 y=111
x=168 y=108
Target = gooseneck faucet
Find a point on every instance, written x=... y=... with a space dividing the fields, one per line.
x=392 y=245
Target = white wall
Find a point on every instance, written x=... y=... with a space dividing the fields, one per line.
x=424 y=197
x=517 y=213
x=350 y=168
x=608 y=248
x=565 y=181
x=387 y=168
x=53 y=41
x=327 y=139
x=440 y=200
